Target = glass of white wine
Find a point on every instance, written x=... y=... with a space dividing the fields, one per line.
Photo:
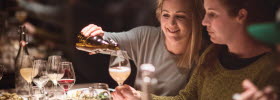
x=41 y=79
x=119 y=67
x=55 y=72
x=27 y=71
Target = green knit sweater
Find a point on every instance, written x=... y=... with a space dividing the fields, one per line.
x=219 y=83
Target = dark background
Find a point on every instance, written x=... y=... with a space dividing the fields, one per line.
x=66 y=23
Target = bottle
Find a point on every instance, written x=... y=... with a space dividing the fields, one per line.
x=96 y=44
x=147 y=71
x=20 y=84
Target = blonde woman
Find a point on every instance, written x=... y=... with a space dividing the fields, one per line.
x=233 y=57
x=173 y=48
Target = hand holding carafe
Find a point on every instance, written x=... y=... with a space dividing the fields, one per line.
x=90 y=40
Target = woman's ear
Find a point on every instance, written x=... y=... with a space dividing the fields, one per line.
x=242 y=16
x=158 y=17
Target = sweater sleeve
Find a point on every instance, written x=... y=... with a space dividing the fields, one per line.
x=189 y=93
x=274 y=81
x=193 y=88
x=269 y=75
x=270 y=78
x=130 y=41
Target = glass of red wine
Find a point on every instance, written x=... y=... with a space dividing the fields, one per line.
x=68 y=79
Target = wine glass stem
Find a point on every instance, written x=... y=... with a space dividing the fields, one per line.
x=42 y=90
x=120 y=84
x=65 y=94
x=55 y=87
x=30 y=89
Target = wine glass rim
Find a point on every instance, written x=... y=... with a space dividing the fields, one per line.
x=120 y=53
x=40 y=60
x=28 y=56
x=65 y=62
x=97 y=85
x=54 y=57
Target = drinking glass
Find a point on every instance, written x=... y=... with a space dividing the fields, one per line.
x=69 y=78
x=119 y=67
x=100 y=91
x=37 y=93
x=27 y=71
x=55 y=72
x=40 y=79
x=1 y=71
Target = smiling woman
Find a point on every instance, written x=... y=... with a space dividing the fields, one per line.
x=182 y=17
x=233 y=57
x=172 y=48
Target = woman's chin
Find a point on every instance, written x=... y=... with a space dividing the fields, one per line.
x=175 y=38
x=213 y=40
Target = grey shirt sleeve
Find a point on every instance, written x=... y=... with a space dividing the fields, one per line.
x=131 y=40
x=145 y=44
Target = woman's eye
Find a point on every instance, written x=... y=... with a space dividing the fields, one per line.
x=165 y=15
x=211 y=14
x=180 y=17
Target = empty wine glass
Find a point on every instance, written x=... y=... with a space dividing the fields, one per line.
x=40 y=79
x=37 y=93
x=55 y=72
x=69 y=78
x=119 y=67
x=1 y=71
x=100 y=91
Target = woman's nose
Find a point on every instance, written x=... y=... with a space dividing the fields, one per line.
x=172 y=21
x=205 y=21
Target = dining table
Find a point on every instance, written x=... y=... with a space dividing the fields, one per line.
x=57 y=94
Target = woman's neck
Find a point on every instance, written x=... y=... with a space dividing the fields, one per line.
x=176 y=47
x=245 y=47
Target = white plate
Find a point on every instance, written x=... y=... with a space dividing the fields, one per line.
x=85 y=92
x=78 y=92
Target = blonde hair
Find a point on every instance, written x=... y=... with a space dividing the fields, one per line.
x=194 y=43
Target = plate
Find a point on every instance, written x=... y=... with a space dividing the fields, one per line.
x=87 y=94
x=78 y=93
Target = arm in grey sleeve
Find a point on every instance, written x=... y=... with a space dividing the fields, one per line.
x=129 y=41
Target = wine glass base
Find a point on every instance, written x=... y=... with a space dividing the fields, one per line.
x=27 y=97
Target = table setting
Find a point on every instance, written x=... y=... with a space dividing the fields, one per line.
x=54 y=79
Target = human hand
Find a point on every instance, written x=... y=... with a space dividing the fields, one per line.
x=92 y=30
x=30 y=28
x=253 y=93
x=125 y=92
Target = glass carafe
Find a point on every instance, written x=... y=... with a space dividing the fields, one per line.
x=96 y=44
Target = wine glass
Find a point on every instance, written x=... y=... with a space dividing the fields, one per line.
x=40 y=79
x=1 y=71
x=55 y=72
x=27 y=71
x=100 y=91
x=69 y=78
x=119 y=67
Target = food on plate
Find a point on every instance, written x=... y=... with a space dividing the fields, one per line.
x=10 y=96
x=89 y=94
